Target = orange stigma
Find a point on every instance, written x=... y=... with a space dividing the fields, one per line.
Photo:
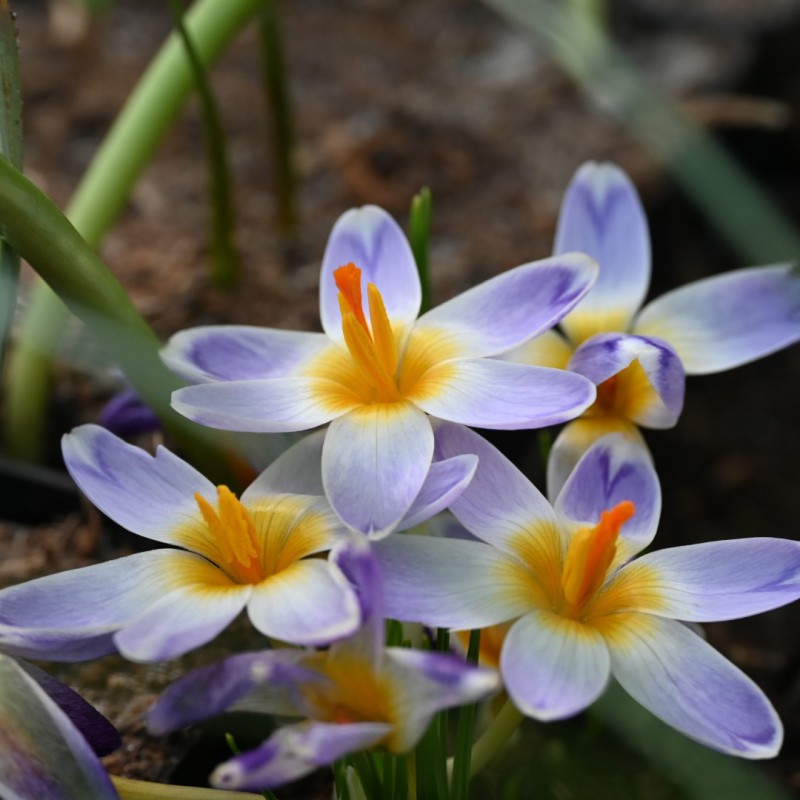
x=590 y=554
x=348 y=281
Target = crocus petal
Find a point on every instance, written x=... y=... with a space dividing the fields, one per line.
x=308 y=603
x=722 y=322
x=510 y=308
x=209 y=691
x=553 y=667
x=239 y=352
x=548 y=349
x=148 y=495
x=126 y=414
x=374 y=242
x=724 y=580
x=444 y=483
x=499 y=501
x=101 y=735
x=451 y=583
x=374 y=463
x=602 y=216
x=43 y=754
x=184 y=619
x=296 y=471
x=685 y=682
x=576 y=438
x=649 y=380
x=488 y=393
x=615 y=469
x=273 y=405
x=71 y=615
x=294 y=751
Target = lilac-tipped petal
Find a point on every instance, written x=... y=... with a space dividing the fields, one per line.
x=148 y=495
x=553 y=667
x=43 y=755
x=240 y=352
x=724 y=580
x=101 y=735
x=727 y=320
x=182 y=620
x=272 y=405
x=446 y=480
x=369 y=238
x=294 y=751
x=614 y=470
x=489 y=393
x=209 y=691
x=71 y=616
x=513 y=307
x=298 y=470
x=374 y=463
x=576 y=438
x=448 y=583
x=499 y=501
x=548 y=349
x=650 y=381
x=308 y=603
x=681 y=679
x=126 y=414
x=601 y=215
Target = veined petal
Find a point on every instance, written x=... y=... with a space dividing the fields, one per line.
x=548 y=349
x=185 y=618
x=724 y=580
x=450 y=583
x=727 y=320
x=445 y=481
x=273 y=405
x=602 y=216
x=308 y=603
x=71 y=616
x=374 y=463
x=553 y=667
x=685 y=682
x=499 y=501
x=294 y=751
x=43 y=754
x=638 y=378
x=239 y=352
x=144 y=494
x=615 y=469
x=298 y=470
x=510 y=308
x=488 y=393
x=369 y=238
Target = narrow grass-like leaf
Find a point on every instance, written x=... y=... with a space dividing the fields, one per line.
x=129 y=789
x=459 y=787
x=224 y=260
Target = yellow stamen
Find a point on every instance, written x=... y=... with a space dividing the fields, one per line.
x=589 y=556
x=382 y=335
x=234 y=536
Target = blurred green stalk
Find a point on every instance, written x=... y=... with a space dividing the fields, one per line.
x=149 y=112
x=419 y=235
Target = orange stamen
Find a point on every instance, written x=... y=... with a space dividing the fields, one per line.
x=348 y=281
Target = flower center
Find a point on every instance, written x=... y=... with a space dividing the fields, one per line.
x=371 y=344
x=235 y=538
x=589 y=556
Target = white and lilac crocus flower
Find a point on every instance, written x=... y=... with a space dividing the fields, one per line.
x=356 y=695
x=637 y=356
x=580 y=608
x=260 y=552
x=50 y=739
x=377 y=371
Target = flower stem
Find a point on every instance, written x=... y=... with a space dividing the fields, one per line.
x=129 y=789
x=495 y=737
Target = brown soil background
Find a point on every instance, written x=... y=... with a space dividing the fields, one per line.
x=390 y=96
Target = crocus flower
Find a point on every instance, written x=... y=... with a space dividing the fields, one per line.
x=258 y=552
x=637 y=358
x=42 y=752
x=581 y=607
x=377 y=371
x=356 y=695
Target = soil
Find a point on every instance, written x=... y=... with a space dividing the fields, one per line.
x=388 y=97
